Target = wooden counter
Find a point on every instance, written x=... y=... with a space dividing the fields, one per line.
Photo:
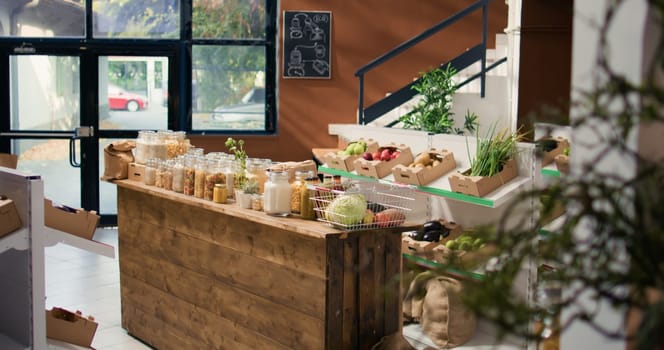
x=200 y=275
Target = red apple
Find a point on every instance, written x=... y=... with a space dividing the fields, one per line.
x=375 y=155
x=367 y=156
x=385 y=154
x=395 y=154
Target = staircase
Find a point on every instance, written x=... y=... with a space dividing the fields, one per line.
x=491 y=108
x=481 y=79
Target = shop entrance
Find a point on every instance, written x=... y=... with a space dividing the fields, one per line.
x=60 y=122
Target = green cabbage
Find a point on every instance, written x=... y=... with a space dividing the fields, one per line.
x=347 y=209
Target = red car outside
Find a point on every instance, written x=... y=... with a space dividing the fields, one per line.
x=119 y=98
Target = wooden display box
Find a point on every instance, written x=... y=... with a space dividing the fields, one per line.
x=480 y=186
x=9 y=219
x=562 y=163
x=420 y=176
x=346 y=162
x=78 y=222
x=425 y=249
x=562 y=143
x=70 y=327
x=378 y=169
x=8 y=160
x=136 y=172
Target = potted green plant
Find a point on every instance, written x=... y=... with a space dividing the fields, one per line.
x=433 y=112
x=237 y=148
x=492 y=165
x=245 y=193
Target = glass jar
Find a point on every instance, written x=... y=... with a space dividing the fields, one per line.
x=143 y=143
x=220 y=193
x=199 y=177
x=256 y=171
x=167 y=175
x=276 y=198
x=297 y=187
x=306 y=193
x=189 y=174
x=150 y=173
x=214 y=175
x=178 y=174
x=160 y=149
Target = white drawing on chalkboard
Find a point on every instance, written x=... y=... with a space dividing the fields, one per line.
x=312 y=48
x=310 y=27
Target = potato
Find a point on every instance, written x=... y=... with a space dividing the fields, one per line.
x=422 y=158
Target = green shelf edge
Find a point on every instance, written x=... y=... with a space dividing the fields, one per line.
x=550 y=172
x=445 y=268
x=431 y=190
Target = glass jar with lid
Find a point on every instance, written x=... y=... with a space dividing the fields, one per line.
x=189 y=174
x=277 y=194
x=214 y=175
x=306 y=194
x=178 y=174
x=199 y=177
x=150 y=172
x=298 y=185
x=256 y=171
x=143 y=144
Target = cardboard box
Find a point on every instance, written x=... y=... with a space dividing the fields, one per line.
x=293 y=167
x=561 y=144
x=562 y=163
x=78 y=222
x=425 y=249
x=8 y=160
x=70 y=327
x=9 y=219
x=480 y=186
x=346 y=162
x=421 y=176
x=378 y=169
x=136 y=172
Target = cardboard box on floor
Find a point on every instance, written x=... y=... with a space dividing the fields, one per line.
x=8 y=160
x=9 y=219
x=70 y=327
x=78 y=222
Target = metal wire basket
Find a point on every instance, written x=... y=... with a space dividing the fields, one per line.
x=387 y=205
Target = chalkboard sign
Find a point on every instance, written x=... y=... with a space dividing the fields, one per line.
x=307 y=44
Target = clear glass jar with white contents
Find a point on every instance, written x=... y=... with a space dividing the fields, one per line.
x=277 y=194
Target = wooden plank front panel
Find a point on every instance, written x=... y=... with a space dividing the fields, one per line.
x=250 y=283
x=351 y=334
x=276 y=321
x=334 y=321
x=393 y=262
x=280 y=246
x=201 y=327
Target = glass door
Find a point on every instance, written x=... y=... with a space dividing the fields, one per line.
x=45 y=119
x=133 y=96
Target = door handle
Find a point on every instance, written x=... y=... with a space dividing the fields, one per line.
x=79 y=132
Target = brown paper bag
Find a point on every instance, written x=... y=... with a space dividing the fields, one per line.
x=117 y=157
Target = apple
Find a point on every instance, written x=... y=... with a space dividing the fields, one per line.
x=385 y=154
x=367 y=156
x=375 y=155
x=394 y=154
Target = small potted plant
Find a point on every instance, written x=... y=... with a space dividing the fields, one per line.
x=245 y=193
x=237 y=148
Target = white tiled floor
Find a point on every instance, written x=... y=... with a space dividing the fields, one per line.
x=80 y=280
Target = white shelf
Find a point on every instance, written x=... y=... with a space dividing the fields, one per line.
x=54 y=344
x=485 y=338
x=7 y=343
x=16 y=240
x=53 y=237
x=555 y=225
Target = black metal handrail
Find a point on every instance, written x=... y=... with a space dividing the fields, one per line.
x=417 y=39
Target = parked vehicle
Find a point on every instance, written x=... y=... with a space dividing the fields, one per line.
x=250 y=108
x=119 y=98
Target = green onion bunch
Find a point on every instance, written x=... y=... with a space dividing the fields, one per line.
x=493 y=151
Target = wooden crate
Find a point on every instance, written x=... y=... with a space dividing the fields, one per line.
x=199 y=275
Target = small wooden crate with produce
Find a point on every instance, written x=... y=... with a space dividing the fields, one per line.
x=382 y=161
x=425 y=168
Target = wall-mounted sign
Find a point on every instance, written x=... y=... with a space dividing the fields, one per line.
x=307 y=44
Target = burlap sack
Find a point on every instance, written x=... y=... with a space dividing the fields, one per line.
x=436 y=302
x=117 y=157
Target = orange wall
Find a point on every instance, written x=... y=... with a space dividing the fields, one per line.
x=361 y=31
